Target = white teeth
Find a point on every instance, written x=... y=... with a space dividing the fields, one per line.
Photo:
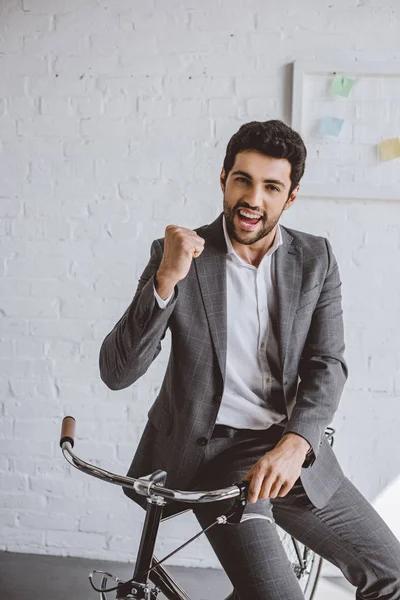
x=245 y=213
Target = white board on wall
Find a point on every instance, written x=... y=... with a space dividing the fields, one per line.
x=349 y=165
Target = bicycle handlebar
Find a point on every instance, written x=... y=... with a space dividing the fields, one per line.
x=145 y=486
x=68 y=431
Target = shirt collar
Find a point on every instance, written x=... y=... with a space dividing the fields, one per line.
x=276 y=243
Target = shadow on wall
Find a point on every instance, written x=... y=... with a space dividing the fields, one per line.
x=387 y=505
x=366 y=429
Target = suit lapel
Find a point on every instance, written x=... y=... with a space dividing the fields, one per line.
x=211 y=271
x=288 y=276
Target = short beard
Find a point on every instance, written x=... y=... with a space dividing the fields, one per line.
x=267 y=226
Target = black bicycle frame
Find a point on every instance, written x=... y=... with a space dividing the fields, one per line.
x=146 y=560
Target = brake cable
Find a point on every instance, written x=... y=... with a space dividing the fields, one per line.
x=218 y=521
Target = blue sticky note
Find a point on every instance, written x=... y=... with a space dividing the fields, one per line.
x=330 y=126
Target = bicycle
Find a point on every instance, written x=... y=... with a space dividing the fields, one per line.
x=305 y=563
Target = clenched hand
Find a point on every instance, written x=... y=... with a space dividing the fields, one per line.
x=181 y=246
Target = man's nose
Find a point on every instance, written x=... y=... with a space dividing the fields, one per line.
x=255 y=198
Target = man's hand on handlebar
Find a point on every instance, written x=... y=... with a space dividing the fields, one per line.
x=278 y=470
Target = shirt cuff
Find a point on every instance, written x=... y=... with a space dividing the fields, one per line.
x=163 y=303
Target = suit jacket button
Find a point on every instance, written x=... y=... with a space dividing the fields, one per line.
x=202 y=441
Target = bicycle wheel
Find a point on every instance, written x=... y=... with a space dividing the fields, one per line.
x=306 y=563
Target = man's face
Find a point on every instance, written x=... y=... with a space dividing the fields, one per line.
x=255 y=195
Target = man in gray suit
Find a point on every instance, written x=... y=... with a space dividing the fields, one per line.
x=254 y=377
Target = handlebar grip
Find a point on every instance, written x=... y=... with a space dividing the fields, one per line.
x=68 y=431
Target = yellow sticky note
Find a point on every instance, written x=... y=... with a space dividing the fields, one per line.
x=390 y=148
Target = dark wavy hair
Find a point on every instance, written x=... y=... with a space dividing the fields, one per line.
x=272 y=138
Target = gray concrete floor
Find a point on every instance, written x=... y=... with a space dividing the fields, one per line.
x=34 y=576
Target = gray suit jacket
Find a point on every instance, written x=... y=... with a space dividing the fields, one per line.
x=311 y=346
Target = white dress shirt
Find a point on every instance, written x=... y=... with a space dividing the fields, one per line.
x=252 y=396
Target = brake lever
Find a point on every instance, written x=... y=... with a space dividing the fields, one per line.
x=237 y=511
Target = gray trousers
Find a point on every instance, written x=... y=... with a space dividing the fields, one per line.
x=347 y=532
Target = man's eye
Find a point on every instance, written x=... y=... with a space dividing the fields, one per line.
x=272 y=187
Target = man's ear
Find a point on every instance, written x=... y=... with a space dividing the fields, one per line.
x=222 y=179
x=292 y=198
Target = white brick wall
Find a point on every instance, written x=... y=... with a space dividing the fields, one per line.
x=114 y=119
